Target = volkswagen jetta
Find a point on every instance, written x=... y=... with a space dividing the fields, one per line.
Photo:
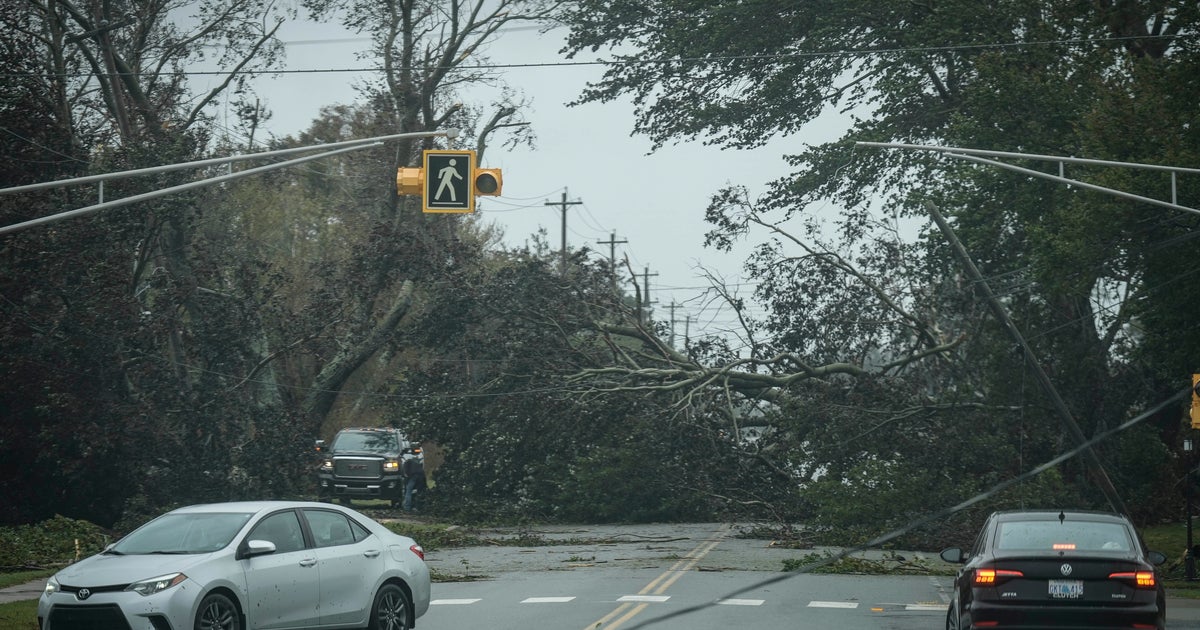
x=1056 y=569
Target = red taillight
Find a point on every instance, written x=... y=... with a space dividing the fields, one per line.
x=990 y=577
x=1063 y=546
x=1140 y=579
x=418 y=550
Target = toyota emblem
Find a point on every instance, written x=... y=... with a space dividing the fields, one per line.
x=83 y=594
x=1066 y=569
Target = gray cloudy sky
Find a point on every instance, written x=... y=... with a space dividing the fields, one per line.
x=656 y=201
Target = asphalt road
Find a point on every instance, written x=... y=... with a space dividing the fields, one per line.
x=670 y=577
x=694 y=576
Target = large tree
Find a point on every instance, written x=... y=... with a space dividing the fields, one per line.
x=1084 y=275
x=113 y=330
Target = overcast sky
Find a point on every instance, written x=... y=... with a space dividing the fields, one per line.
x=655 y=202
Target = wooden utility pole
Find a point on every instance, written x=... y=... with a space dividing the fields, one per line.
x=672 y=308
x=563 y=205
x=612 y=243
x=644 y=306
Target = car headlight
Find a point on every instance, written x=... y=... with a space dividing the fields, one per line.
x=391 y=465
x=156 y=584
x=327 y=464
x=51 y=586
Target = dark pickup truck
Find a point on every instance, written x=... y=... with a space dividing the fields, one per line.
x=364 y=463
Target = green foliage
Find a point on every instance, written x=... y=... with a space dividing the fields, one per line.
x=434 y=537
x=51 y=543
x=633 y=480
x=19 y=615
x=1092 y=281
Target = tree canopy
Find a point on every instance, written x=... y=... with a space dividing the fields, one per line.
x=1082 y=273
x=213 y=336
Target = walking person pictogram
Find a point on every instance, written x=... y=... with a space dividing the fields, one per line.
x=446 y=178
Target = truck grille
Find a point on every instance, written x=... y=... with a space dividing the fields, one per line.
x=358 y=467
x=88 y=617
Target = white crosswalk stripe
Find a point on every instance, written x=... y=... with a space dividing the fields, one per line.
x=643 y=598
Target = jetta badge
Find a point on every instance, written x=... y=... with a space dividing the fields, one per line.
x=1066 y=569
x=83 y=594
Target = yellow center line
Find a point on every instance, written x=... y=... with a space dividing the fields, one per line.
x=660 y=584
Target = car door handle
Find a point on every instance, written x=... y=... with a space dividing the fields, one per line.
x=371 y=553
x=308 y=562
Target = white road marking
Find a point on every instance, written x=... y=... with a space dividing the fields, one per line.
x=924 y=607
x=547 y=600
x=643 y=598
x=452 y=602
x=833 y=604
x=741 y=602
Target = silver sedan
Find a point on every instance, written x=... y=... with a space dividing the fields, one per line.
x=229 y=566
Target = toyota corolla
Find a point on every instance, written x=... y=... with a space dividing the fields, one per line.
x=229 y=566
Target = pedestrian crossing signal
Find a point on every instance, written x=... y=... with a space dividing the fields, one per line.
x=449 y=185
x=1196 y=401
x=448 y=181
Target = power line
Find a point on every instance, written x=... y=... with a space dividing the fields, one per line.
x=629 y=61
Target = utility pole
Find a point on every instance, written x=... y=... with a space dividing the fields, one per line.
x=672 y=308
x=612 y=243
x=1089 y=456
x=644 y=307
x=563 y=205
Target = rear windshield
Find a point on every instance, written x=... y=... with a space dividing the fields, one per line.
x=371 y=441
x=1065 y=536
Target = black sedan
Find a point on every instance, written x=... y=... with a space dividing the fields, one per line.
x=1056 y=569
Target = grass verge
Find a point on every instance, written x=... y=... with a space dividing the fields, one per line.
x=19 y=615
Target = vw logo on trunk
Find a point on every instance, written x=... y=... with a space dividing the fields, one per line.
x=83 y=594
x=1066 y=569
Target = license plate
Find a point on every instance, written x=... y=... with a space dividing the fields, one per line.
x=1066 y=589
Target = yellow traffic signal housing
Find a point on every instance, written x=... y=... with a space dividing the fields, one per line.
x=488 y=181
x=450 y=191
x=1196 y=401
x=410 y=180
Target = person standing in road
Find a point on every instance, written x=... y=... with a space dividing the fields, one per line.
x=414 y=478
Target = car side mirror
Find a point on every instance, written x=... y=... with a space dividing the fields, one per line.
x=953 y=555
x=1156 y=558
x=320 y=445
x=256 y=548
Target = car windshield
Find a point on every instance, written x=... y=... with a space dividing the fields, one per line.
x=185 y=533
x=1064 y=536
x=371 y=441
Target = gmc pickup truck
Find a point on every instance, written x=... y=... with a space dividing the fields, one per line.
x=364 y=462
